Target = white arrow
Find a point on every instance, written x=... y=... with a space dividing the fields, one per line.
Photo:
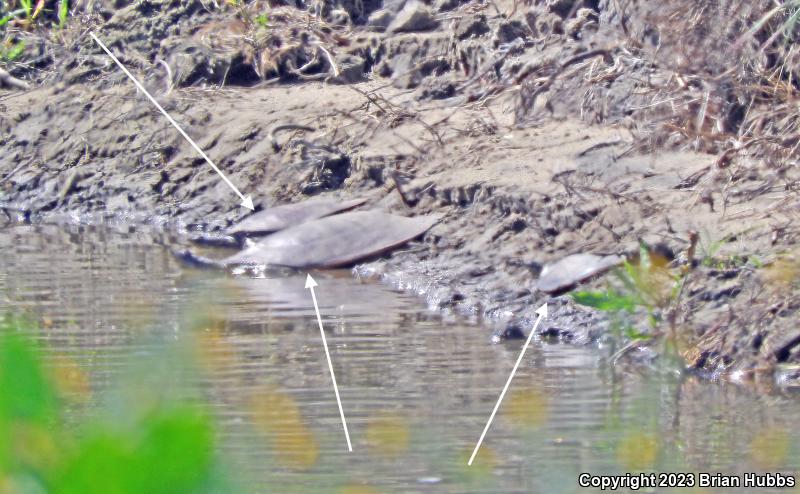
x=542 y=311
x=310 y=284
x=247 y=202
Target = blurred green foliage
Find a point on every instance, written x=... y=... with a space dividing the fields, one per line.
x=648 y=285
x=164 y=447
x=26 y=12
x=12 y=51
x=25 y=15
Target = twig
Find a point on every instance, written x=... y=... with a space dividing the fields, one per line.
x=9 y=80
x=11 y=173
x=725 y=158
x=373 y=98
x=280 y=128
x=169 y=75
x=330 y=60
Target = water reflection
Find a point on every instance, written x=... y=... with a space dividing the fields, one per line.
x=417 y=390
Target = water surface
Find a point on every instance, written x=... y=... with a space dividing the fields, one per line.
x=417 y=389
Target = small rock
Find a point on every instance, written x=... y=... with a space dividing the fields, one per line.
x=351 y=69
x=12 y=82
x=414 y=17
x=583 y=18
x=512 y=331
x=192 y=63
x=380 y=20
x=408 y=75
x=787 y=376
x=394 y=6
x=562 y=8
x=447 y=5
x=571 y=270
x=471 y=27
x=437 y=89
x=556 y=333
x=509 y=31
x=544 y=23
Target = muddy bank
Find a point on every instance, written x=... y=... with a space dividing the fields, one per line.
x=536 y=131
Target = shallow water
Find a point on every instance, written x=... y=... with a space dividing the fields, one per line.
x=416 y=388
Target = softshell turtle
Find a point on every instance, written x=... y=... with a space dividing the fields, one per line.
x=280 y=217
x=275 y=219
x=571 y=270
x=330 y=242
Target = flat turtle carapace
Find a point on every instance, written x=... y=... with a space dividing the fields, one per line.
x=571 y=270
x=275 y=219
x=281 y=217
x=330 y=242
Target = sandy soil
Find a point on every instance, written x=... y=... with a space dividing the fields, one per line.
x=522 y=175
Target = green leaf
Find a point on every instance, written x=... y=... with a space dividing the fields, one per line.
x=27 y=395
x=27 y=399
x=63 y=12
x=171 y=452
x=14 y=52
x=177 y=452
x=27 y=6
x=605 y=301
x=644 y=256
x=635 y=334
x=103 y=464
x=627 y=276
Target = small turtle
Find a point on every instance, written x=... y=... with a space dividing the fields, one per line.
x=330 y=242
x=276 y=219
x=571 y=270
x=280 y=217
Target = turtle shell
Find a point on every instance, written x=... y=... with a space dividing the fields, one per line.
x=571 y=270
x=333 y=241
x=281 y=217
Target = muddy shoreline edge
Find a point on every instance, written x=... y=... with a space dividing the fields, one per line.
x=529 y=131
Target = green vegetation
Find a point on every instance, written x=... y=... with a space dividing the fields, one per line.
x=649 y=286
x=250 y=15
x=27 y=7
x=24 y=11
x=63 y=13
x=7 y=17
x=24 y=15
x=143 y=443
x=12 y=51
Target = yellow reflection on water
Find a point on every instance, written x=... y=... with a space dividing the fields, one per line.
x=527 y=407
x=296 y=447
x=638 y=451
x=483 y=465
x=71 y=381
x=214 y=351
x=388 y=434
x=277 y=414
x=770 y=448
x=33 y=445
